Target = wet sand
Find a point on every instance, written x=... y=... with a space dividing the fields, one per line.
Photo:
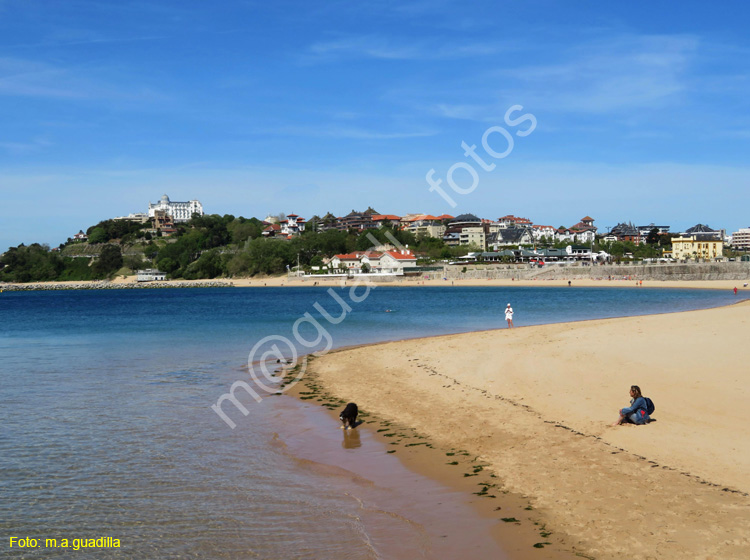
x=417 y=500
x=535 y=406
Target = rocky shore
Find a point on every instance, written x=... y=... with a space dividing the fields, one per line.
x=660 y=272
x=106 y=285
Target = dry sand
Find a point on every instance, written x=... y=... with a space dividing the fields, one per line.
x=536 y=404
x=284 y=281
x=580 y=283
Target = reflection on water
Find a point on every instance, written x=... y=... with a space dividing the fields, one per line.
x=351 y=439
x=107 y=428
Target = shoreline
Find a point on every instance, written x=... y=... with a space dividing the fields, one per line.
x=675 y=463
x=292 y=282
x=512 y=523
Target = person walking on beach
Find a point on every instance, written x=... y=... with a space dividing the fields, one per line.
x=735 y=290
x=509 y=316
x=637 y=412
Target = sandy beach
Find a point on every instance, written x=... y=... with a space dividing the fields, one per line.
x=536 y=404
x=292 y=282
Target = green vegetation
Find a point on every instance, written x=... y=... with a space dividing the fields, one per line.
x=208 y=246
x=123 y=231
x=212 y=246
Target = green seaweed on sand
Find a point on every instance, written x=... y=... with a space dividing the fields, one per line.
x=483 y=491
x=391 y=451
x=452 y=463
x=509 y=520
x=451 y=454
x=541 y=544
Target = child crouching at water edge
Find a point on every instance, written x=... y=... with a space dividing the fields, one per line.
x=637 y=412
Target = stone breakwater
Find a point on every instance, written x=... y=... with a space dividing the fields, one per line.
x=112 y=286
x=676 y=271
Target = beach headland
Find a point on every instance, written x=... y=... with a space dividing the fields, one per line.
x=534 y=406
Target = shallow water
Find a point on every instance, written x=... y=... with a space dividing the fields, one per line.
x=107 y=428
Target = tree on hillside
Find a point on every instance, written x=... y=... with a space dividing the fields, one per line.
x=653 y=236
x=35 y=263
x=134 y=262
x=97 y=235
x=109 y=261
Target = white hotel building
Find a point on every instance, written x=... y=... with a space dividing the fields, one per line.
x=180 y=211
x=741 y=239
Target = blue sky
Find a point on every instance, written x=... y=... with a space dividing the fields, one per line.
x=309 y=107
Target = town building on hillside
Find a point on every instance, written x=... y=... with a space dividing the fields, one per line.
x=584 y=231
x=293 y=225
x=271 y=230
x=390 y=261
x=356 y=220
x=455 y=227
x=626 y=232
x=741 y=239
x=396 y=261
x=645 y=230
x=702 y=245
x=702 y=229
x=452 y=237
x=381 y=220
x=511 y=220
x=539 y=232
x=587 y=235
x=141 y=217
x=511 y=236
x=465 y=220
x=80 y=236
x=475 y=236
x=425 y=224
x=564 y=235
x=163 y=222
x=180 y=211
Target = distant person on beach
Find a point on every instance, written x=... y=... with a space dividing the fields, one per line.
x=509 y=316
x=735 y=290
x=568 y=283
x=637 y=412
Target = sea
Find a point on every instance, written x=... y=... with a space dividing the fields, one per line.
x=108 y=429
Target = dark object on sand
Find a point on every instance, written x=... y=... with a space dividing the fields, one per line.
x=348 y=416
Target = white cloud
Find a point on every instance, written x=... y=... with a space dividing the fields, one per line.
x=29 y=78
x=612 y=74
x=378 y=47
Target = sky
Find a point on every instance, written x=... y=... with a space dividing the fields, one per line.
x=256 y=108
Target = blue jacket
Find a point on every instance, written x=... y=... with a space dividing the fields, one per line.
x=637 y=411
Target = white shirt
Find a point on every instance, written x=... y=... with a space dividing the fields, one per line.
x=508 y=313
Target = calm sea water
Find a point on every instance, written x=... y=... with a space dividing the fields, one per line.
x=107 y=428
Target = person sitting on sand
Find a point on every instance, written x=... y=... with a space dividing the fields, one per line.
x=637 y=412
